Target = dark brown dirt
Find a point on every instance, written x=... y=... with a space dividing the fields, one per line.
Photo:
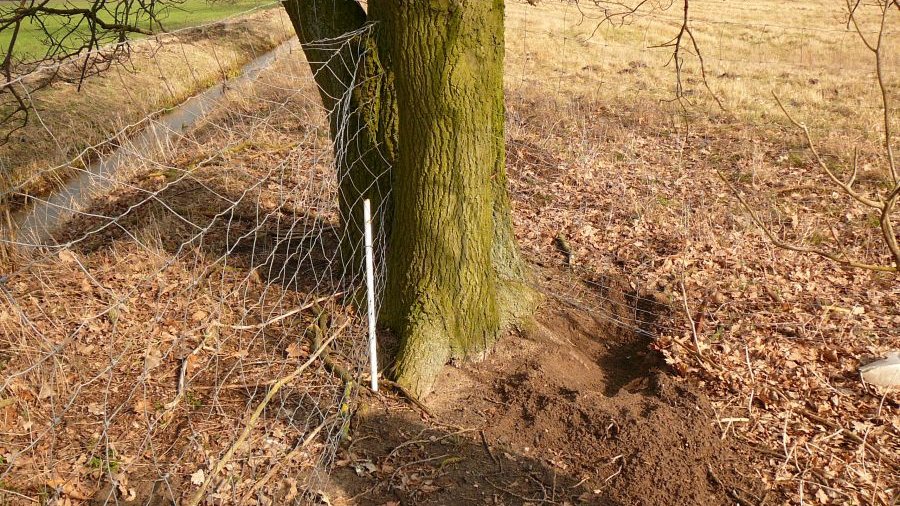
x=566 y=412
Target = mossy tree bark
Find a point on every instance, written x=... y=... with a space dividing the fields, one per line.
x=454 y=275
x=358 y=95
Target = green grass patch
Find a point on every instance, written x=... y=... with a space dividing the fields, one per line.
x=32 y=42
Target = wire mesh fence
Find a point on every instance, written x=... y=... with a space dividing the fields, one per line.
x=164 y=306
x=164 y=302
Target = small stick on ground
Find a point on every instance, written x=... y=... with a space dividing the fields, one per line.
x=278 y=463
x=732 y=493
x=418 y=440
x=487 y=449
x=20 y=496
x=279 y=317
x=618 y=471
x=318 y=329
x=409 y=396
x=251 y=422
x=687 y=312
x=852 y=436
x=416 y=463
x=517 y=496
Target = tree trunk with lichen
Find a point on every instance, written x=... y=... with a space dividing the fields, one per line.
x=359 y=100
x=454 y=275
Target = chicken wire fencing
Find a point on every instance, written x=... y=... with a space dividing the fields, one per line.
x=187 y=263
x=177 y=322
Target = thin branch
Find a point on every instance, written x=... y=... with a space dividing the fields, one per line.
x=276 y=466
x=851 y=19
x=88 y=36
x=280 y=317
x=687 y=311
x=254 y=417
x=848 y=189
x=886 y=108
x=887 y=227
x=677 y=43
x=798 y=248
x=616 y=13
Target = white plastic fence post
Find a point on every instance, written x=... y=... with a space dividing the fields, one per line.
x=370 y=293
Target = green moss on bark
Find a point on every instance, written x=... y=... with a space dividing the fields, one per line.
x=452 y=260
x=431 y=104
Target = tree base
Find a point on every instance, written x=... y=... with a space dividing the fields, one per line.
x=425 y=351
x=427 y=345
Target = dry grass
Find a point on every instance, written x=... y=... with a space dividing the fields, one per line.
x=160 y=73
x=601 y=157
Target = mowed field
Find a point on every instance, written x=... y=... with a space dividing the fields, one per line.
x=31 y=42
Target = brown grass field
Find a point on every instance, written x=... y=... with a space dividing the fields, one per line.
x=694 y=337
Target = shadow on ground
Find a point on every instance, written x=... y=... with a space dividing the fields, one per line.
x=397 y=458
x=573 y=409
x=560 y=413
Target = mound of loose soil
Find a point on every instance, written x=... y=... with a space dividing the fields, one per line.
x=569 y=411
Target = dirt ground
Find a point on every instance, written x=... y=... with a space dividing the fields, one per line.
x=569 y=410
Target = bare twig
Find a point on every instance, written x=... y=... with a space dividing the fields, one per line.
x=254 y=417
x=487 y=449
x=796 y=247
x=4 y=491
x=280 y=317
x=687 y=311
x=889 y=460
x=677 y=43
x=276 y=466
x=846 y=186
x=408 y=395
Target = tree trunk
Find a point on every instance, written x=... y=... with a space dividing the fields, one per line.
x=451 y=256
x=357 y=93
x=454 y=275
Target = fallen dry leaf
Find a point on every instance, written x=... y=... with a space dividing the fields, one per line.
x=198 y=477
